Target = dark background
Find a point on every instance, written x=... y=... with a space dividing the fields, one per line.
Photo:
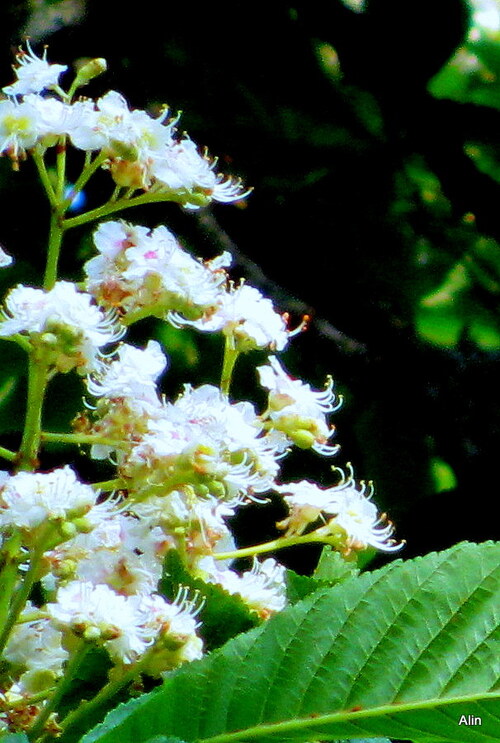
x=367 y=204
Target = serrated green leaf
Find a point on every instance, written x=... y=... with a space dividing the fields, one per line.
x=331 y=570
x=300 y=586
x=403 y=652
x=222 y=616
x=334 y=568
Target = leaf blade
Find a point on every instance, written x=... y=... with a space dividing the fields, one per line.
x=401 y=652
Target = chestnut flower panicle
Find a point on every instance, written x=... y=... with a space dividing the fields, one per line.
x=179 y=468
x=140 y=152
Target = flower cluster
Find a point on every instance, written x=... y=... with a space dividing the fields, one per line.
x=64 y=324
x=99 y=575
x=84 y=566
x=141 y=269
x=141 y=152
x=146 y=272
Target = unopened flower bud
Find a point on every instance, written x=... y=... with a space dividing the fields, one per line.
x=127 y=173
x=217 y=489
x=49 y=340
x=303 y=439
x=89 y=70
x=67 y=530
x=91 y=634
x=125 y=150
x=83 y=525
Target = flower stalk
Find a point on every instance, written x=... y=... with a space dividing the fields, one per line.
x=37 y=383
x=60 y=690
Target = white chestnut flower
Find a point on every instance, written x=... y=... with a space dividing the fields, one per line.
x=296 y=410
x=98 y=614
x=147 y=269
x=35 y=648
x=263 y=588
x=64 y=321
x=194 y=521
x=345 y=510
x=5 y=258
x=121 y=551
x=202 y=439
x=109 y=124
x=171 y=628
x=128 y=625
x=34 y=74
x=246 y=316
x=53 y=118
x=131 y=373
x=29 y=499
x=18 y=129
x=182 y=167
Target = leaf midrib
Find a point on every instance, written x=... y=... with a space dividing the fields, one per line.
x=319 y=720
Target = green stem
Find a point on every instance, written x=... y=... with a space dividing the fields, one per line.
x=44 y=176
x=230 y=356
x=29 y=579
x=61 y=93
x=33 y=699
x=87 y=173
x=116 y=193
x=276 y=544
x=20 y=340
x=140 y=314
x=8 y=575
x=61 y=169
x=37 y=383
x=54 y=249
x=7 y=454
x=62 y=687
x=107 y=692
x=106 y=486
x=116 y=206
x=81 y=438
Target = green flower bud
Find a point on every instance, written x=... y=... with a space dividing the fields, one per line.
x=82 y=525
x=217 y=489
x=91 y=634
x=89 y=70
x=302 y=439
x=126 y=151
